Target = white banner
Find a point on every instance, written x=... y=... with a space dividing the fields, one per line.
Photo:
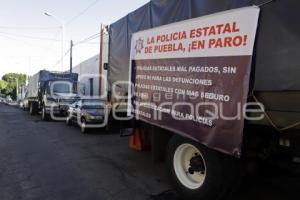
x=228 y=33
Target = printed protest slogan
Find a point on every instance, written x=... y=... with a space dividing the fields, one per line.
x=192 y=77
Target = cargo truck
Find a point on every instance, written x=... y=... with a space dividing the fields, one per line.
x=51 y=93
x=204 y=156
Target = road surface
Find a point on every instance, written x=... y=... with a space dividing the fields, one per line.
x=51 y=161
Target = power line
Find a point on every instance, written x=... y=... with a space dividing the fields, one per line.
x=55 y=36
x=60 y=60
x=92 y=37
x=87 y=40
x=25 y=43
x=27 y=36
x=83 y=11
x=93 y=43
x=28 y=28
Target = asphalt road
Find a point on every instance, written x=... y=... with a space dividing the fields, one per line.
x=51 y=161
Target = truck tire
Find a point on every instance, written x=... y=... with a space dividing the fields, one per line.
x=83 y=127
x=68 y=120
x=196 y=171
x=45 y=116
x=32 y=108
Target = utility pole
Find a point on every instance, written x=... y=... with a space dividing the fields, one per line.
x=101 y=59
x=71 y=56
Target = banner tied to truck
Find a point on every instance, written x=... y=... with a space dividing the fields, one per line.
x=192 y=77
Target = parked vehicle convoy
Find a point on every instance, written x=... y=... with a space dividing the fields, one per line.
x=200 y=164
x=51 y=93
x=87 y=113
x=243 y=64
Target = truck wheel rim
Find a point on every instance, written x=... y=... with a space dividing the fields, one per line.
x=181 y=161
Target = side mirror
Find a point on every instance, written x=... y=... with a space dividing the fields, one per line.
x=105 y=66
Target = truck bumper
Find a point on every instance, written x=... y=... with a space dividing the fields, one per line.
x=94 y=119
x=57 y=109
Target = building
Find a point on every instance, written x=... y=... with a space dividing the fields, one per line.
x=92 y=79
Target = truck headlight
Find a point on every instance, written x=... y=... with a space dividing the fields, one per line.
x=92 y=117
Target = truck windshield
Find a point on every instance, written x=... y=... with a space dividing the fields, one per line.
x=62 y=88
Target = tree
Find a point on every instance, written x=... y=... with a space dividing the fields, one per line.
x=12 y=80
x=3 y=85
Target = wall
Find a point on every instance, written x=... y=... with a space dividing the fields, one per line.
x=86 y=70
x=90 y=69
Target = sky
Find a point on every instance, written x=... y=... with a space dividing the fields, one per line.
x=31 y=41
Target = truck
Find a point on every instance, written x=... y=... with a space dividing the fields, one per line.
x=51 y=93
x=201 y=163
